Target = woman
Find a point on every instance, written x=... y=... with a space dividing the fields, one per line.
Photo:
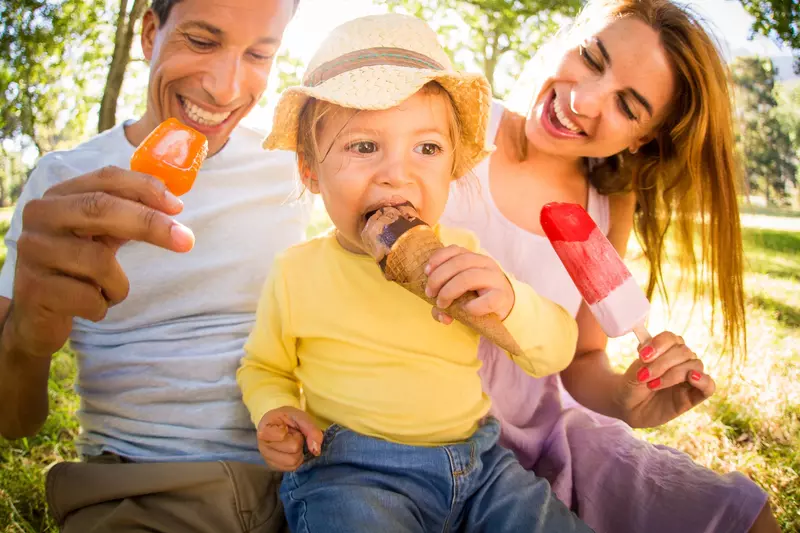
x=627 y=114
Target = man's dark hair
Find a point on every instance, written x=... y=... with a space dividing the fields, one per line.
x=162 y=8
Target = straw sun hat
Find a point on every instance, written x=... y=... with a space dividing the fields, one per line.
x=377 y=62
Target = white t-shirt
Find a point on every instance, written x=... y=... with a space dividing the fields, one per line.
x=157 y=376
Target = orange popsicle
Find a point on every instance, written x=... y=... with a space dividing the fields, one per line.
x=172 y=153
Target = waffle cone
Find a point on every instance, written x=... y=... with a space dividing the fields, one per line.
x=405 y=265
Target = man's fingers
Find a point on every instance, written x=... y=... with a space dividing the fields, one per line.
x=84 y=259
x=75 y=297
x=124 y=183
x=105 y=215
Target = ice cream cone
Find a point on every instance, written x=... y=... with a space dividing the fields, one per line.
x=404 y=263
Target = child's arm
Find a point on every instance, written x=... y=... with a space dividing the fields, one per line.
x=266 y=375
x=546 y=333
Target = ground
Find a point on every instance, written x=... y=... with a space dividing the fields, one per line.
x=751 y=425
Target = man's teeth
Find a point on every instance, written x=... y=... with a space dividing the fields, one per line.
x=201 y=116
x=562 y=117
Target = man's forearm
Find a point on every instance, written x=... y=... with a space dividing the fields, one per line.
x=593 y=383
x=23 y=386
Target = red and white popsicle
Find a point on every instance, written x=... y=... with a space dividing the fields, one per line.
x=597 y=270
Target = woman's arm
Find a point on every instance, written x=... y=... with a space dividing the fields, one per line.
x=590 y=378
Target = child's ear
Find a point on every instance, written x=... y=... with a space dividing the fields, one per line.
x=307 y=175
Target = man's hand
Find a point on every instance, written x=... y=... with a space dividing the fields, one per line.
x=453 y=271
x=66 y=253
x=281 y=433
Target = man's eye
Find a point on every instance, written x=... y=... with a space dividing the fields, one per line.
x=428 y=149
x=202 y=44
x=363 y=147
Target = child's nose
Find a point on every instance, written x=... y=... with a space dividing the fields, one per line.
x=396 y=173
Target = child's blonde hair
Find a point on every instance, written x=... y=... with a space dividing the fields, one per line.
x=310 y=154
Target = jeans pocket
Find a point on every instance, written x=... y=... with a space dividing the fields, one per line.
x=328 y=436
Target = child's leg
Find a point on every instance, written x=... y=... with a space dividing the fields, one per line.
x=508 y=498
x=361 y=484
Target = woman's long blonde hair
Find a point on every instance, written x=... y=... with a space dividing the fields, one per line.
x=686 y=179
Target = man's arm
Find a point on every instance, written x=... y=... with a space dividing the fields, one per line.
x=65 y=266
x=23 y=387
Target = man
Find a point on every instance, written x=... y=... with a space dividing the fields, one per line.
x=167 y=444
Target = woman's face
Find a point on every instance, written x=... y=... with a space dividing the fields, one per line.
x=603 y=96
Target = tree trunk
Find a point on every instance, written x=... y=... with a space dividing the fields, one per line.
x=126 y=23
x=490 y=60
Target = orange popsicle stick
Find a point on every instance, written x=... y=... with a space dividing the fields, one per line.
x=173 y=153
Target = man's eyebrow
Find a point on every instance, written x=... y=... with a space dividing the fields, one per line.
x=201 y=25
x=643 y=101
x=218 y=32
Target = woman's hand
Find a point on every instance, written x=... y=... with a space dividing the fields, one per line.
x=453 y=271
x=666 y=381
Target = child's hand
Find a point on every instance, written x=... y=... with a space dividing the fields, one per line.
x=666 y=381
x=281 y=433
x=453 y=271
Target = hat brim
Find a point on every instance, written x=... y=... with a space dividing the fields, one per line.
x=383 y=87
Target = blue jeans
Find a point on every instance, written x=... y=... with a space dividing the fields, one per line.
x=365 y=484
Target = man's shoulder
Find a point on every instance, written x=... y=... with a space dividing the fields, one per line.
x=246 y=141
x=107 y=148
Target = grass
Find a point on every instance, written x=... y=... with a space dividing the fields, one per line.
x=752 y=424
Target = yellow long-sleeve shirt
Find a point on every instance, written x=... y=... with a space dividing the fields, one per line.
x=368 y=354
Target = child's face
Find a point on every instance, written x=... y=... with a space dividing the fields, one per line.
x=378 y=158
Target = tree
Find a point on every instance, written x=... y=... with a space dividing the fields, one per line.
x=125 y=30
x=48 y=56
x=779 y=20
x=496 y=28
x=764 y=141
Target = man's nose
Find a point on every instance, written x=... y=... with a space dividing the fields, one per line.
x=223 y=79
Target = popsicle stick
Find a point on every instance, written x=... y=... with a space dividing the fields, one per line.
x=642 y=334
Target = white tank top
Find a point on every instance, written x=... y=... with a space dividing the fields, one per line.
x=527 y=256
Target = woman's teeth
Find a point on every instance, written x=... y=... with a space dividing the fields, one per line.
x=201 y=116
x=562 y=118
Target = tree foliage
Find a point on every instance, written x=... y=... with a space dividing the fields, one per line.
x=497 y=30
x=764 y=140
x=778 y=20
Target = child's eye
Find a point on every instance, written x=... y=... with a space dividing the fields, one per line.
x=363 y=147
x=428 y=149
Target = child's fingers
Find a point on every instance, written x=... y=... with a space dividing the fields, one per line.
x=441 y=316
x=281 y=461
x=489 y=302
x=675 y=375
x=302 y=422
x=444 y=272
x=291 y=443
x=473 y=279
x=441 y=256
x=271 y=432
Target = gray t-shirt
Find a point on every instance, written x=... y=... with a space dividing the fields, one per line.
x=157 y=376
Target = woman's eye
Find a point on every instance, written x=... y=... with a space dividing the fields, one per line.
x=363 y=147
x=428 y=149
x=589 y=59
x=625 y=108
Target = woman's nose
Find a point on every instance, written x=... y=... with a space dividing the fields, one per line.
x=587 y=98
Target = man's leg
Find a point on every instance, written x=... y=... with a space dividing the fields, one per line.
x=109 y=495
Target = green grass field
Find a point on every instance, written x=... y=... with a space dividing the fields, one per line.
x=751 y=425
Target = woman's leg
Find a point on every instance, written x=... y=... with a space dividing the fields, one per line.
x=765 y=522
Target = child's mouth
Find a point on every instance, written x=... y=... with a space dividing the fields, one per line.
x=393 y=202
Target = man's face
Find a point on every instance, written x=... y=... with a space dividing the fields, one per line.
x=209 y=62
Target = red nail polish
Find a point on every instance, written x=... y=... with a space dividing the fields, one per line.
x=647 y=353
x=643 y=374
x=654 y=384
x=695 y=375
